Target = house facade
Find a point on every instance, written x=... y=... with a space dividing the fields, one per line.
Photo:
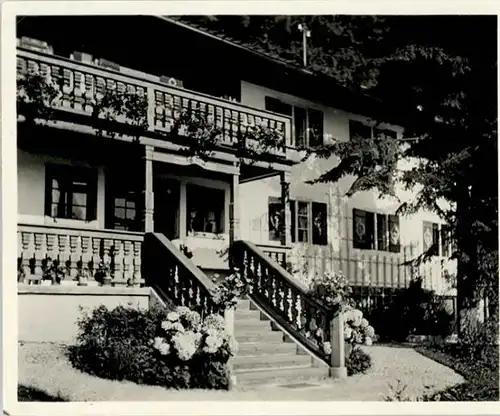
x=87 y=195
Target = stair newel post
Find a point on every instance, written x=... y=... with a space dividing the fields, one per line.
x=229 y=321
x=337 y=359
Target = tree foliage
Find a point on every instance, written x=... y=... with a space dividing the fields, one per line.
x=449 y=102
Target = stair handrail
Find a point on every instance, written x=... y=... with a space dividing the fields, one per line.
x=166 y=267
x=287 y=300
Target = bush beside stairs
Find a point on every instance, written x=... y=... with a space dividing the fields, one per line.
x=266 y=355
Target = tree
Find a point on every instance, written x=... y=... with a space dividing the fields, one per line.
x=448 y=96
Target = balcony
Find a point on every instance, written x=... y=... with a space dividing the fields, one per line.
x=80 y=85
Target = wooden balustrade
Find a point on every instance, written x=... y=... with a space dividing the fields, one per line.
x=81 y=85
x=78 y=250
x=278 y=254
x=285 y=298
x=176 y=276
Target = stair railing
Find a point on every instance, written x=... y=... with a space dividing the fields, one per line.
x=177 y=277
x=286 y=300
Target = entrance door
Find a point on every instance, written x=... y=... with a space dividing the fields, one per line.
x=166 y=207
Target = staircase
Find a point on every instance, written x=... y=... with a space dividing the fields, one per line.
x=267 y=355
x=280 y=329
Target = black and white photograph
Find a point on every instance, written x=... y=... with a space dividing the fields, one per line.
x=222 y=207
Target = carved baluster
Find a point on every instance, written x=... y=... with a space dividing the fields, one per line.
x=176 y=283
x=269 y=285
x=128 y=259
x=89 y=99
x=28 y=248
x=286 y=302
x=79 y=90
x=68 y=88
x=258 y=277
x=40 y=253
x=295 y=309
x=96 y=254
x=106 y=250
x=306 y=321
x=86 y=252
x=137 y=278
x=76 y=255
x=52 y=246
x=119 y=277
x=64 y=253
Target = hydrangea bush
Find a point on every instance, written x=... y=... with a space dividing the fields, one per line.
x=174 y=348
x=333 y=290
x=229 y=290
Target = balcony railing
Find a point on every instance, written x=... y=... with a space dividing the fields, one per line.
x=79 y=250
x=83 y=84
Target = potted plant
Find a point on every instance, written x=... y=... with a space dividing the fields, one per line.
x=103 y=273
x=53 y=272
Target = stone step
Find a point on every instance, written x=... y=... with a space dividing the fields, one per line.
x=279 y=375
x=270 y=360
x=246 y=314
x=257 y=336
x=243 y=305
x=252 y=325
x=265 y=348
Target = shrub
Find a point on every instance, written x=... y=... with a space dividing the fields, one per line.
x=412 y=311
x=357 y=330
x=167 y=348
x=358 y=362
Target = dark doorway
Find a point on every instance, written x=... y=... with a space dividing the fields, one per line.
x=166 y=207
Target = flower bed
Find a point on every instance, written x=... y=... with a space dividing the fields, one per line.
x=173 y=349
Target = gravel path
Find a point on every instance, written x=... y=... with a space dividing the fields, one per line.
x=44 y=367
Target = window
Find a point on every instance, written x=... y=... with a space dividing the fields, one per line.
x=307 y=122
x=309 y=222
x=436 y=239
x=375 y=231
x=275 y=219
x=124 y=211
x=205 y=209
x=70 y=192
x=359 y=129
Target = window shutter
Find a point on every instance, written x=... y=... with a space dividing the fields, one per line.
x=92 y=196
x=274 y=218
x=315 y=127
x=445 y=242
x=435 y=239
x=382 y=232
x=428 y=236
x=360 y=229
x=394 y=234
x=293 y=227
x=300 y=126
x=319 y=223
x=48 y=190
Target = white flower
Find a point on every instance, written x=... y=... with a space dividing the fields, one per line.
x=166 y=325
x=185 y=344
x=164 y=348
x=177 y=326
x=158 y=341
x=173 y=316
x=347 y=333
x=370 y=332
x=364 y=323
x=182 y=310
x=215 y=321
x=368 y=341
x=327 y=348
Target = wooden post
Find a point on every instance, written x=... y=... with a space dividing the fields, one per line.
x=285 y=197
x=234 y=210
x=337 y=364
x=148 y=192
